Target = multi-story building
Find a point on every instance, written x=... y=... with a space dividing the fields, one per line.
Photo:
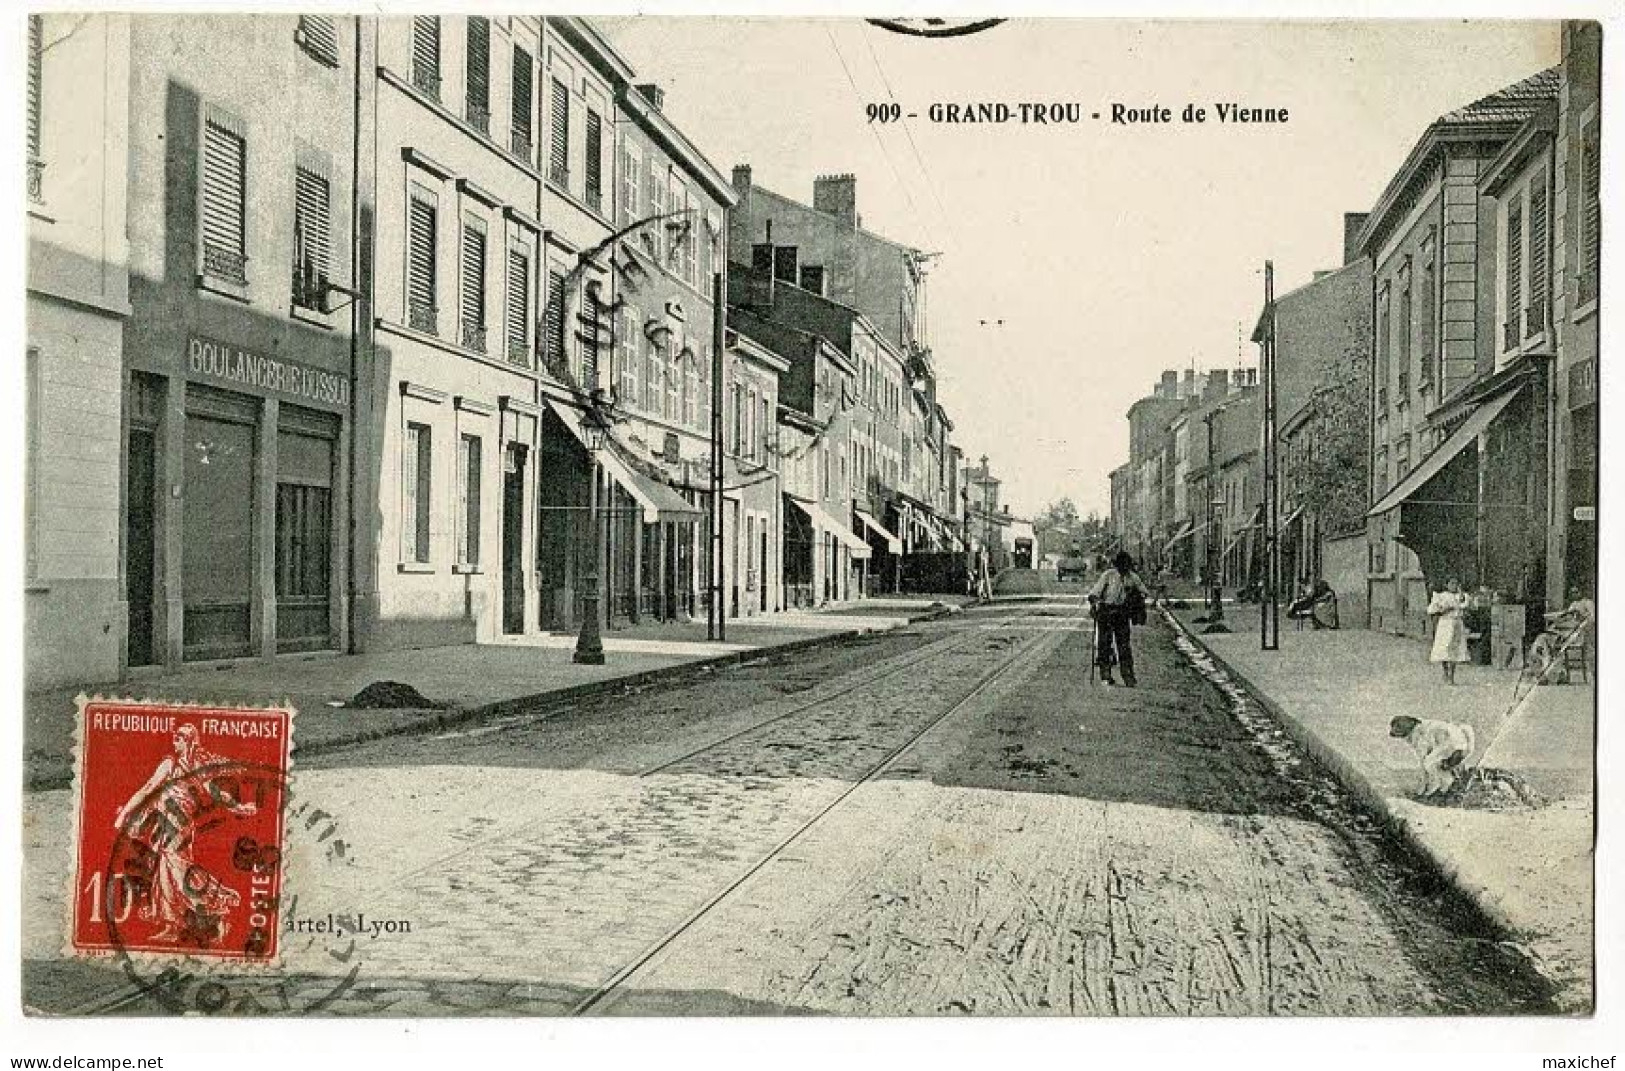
x=824 y=249
x=753 y=479
x=238 y=346
x=89 y=607
x=1322 y=399
x=1448 y=426
x=1571 y=547
x=510 y=327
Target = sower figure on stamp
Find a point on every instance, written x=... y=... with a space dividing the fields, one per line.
x=1117 y=599
x=161 y=815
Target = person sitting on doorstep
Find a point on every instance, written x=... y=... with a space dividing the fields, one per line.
x=1564 y=629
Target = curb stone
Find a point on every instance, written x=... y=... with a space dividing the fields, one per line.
x=1484 y=900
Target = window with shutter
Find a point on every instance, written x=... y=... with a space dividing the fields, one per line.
x=630 y=173
x=558 y=170
x=1590 y=213
x=312 y=233
x=595 y=161
x=1514 y=279
x=1429 y=317
x=1405 y=327
x=225 y=161
x=674 y=405
x=468 y=533
x=1535 y=315
x=477 y=105
x=627 y=344
x=318 y=35
x=523 y=104
x=554 y=322
x=656 y=186
x=518 y=305
x=473 y=285
x=426 y=54
x=422 y=235
x=653 y=390
x=36 y=100
x=416 y=466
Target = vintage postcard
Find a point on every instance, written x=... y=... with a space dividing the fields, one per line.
x=765 y=516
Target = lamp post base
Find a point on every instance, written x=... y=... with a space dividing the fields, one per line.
x=590 y=644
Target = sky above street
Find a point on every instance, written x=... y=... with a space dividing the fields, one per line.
x=1080 y=260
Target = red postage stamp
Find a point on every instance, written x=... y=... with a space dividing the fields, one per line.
x=179 y=829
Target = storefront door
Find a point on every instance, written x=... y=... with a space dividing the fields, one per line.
x=513 y=535
x=139 y=541
x=304 y=533
x=217 y=530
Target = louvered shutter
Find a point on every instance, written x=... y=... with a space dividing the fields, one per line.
x=559 y=161
x=1514 y=263
x=1591 y=199
x=411 y=551
x=420 y=264
x=225 y=156
x=319 y=36
x=426 y=53
x=518 y=304
x=313 y=235
x=479 y=61
x=1537 y=245
x=473 y=283
x=595 y=159
x=36 y=71
x=522 y=101
x=555 y=316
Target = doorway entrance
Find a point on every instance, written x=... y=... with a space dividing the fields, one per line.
x=513 y=533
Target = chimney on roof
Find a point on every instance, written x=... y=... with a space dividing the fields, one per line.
x=1168 y=386
x=837 y=195
x=1353 y=224
x=742 y=178
x=653 y=94
x=1218 y=384
x=1187 y=386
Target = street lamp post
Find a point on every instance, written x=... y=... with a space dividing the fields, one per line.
x=590 y=644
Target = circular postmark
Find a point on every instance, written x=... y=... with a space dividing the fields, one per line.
x=194 y=902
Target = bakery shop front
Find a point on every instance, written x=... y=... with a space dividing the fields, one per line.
x=235 y=506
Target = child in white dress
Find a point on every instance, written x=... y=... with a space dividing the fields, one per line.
x=1449 y=608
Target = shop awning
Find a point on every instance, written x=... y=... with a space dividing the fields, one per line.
x=658 y=501
x=893 y=544
x=824 y=520
x=1186 y=530
x=1434 y=463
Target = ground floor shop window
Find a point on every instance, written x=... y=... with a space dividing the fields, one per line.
x=468 y=506
x=217 y=536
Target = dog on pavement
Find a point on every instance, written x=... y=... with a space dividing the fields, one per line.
x=1442 y=747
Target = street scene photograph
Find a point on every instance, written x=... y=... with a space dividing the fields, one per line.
x=647 y=516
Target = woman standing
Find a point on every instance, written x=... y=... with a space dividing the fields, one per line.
x=1448 y=608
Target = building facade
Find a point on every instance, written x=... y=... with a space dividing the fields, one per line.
x=1435 y=391
x=79 y=618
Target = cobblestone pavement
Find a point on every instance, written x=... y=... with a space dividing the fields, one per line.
x=722 y=847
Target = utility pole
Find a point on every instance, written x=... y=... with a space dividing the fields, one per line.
x=1269 y=618
x=716 y=619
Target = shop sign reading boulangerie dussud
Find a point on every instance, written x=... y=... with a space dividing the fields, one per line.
x=222 y=362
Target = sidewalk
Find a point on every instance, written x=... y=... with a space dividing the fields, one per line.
x=469 y=680
x=1530 y=870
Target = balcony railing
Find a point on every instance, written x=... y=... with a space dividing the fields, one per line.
x=1534 y=320
x=594 y=196
x=518 y=352
x=309 y=289
x=1511 y=333
x=1587 y=288
x=520 y=144
x=559 y=176
x=426 y=81
x=421 y=316
x=478 y=116
x=473 y=337
x=36 y=181
x=225 y=264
